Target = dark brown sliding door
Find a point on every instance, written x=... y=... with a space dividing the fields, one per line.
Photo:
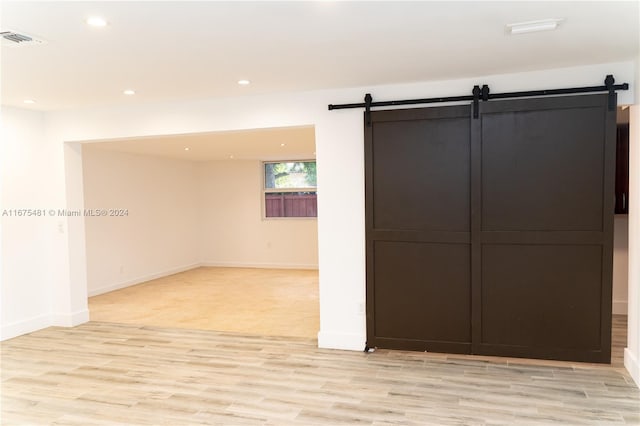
x=545 y=232
x=418 y=229
x=492 y=235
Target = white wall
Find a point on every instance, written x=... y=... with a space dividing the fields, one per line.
x=620 y=264
x=181 y=214
x=28 y=243
x=339 y=138
x=233 y=231
x=632 y=352
x=158 y=236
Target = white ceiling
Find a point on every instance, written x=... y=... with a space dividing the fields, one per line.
x=259 y=144
x=189 y=50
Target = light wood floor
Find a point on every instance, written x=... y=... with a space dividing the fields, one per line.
x=103 y=373
x=269 y=302
x=107 y=374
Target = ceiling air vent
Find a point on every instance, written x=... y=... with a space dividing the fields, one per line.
x=15 y=39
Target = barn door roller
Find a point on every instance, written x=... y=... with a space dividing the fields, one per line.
x=484 y=94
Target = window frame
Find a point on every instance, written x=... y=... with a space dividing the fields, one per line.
x=266 y=190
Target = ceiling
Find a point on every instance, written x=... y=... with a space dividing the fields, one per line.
x=260 y=144
x=169 y=51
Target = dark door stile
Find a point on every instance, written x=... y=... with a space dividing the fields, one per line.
x=528 y=274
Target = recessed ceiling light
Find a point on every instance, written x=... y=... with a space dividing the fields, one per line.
x=534 y=26
x=96 y=21
x=186 y=149
x=244 y=82
x=29 y=101
x=283 y=144
x=129 y=92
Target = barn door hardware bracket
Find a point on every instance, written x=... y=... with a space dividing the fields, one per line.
x=476 y=101
x=484 y=94
x=367 y=108
x=477 y=95
x=608 y=82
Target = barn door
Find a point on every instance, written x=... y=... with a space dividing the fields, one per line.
x=544 y=236
x=418 y=229
x=492 y=235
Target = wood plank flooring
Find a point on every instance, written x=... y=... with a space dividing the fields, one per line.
x=269 y=302
x=106 y=374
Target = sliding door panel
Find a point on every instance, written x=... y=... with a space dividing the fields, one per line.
x=416 y=162
x=418 y=227
x=422 y=294
x=545 y=243
x=541 y=296
x=542 y=170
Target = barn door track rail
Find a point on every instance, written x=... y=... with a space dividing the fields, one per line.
x=483 y=93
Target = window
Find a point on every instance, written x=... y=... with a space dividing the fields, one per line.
x=290 y=189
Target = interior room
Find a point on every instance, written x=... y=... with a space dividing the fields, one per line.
x=474 y=256
x=193 y=234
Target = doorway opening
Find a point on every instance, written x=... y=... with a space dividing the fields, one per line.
x=177 y=233
x=621 y=239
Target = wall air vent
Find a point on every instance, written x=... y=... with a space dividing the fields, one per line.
x=15 y=39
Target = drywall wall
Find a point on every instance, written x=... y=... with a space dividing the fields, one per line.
x=167 y=215
x=233 y=231
x=632 y=351
x=620 y=264
x=339 y=136
x=28 y=229
x=151 y=223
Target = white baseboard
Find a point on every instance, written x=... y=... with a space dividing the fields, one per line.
x=70 y=320
x=339 y=340
x=138 y=280
x=632 y=365
x=18 y=328
x=261 y=265
x=620 y=307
